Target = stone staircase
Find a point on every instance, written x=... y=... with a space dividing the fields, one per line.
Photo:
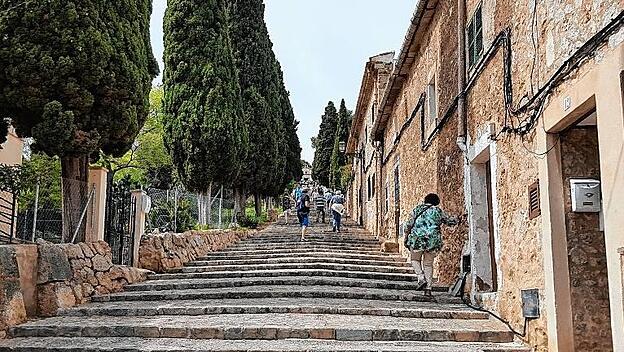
x=274 y=293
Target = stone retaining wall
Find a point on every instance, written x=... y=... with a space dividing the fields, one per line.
x=168 y=251
x=70 y=274
x=38 y=280
x=12 y=309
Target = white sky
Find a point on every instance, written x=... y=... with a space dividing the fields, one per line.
x=322 y=46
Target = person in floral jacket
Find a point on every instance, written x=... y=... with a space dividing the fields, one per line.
x=423 y=237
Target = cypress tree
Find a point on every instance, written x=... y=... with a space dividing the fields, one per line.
x=338 y=159
x=205 y=131
x=325 y=145
x=259 y=84
x=76 y=76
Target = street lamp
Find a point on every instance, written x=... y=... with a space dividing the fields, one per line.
x=342 y=146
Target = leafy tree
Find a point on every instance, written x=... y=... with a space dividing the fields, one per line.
x=45 y=171
x=75 y=75
x=205 y=132
x=338 y=159
x=147 y=163
x=325 y=145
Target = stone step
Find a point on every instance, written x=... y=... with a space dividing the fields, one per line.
x=193 y=284
x=300 y=259
x=306 y=253
x=426 y=310
x=321 y=239
x=303 y=247
x=270 y=327
x=303 y=266
x=132 y=344
x=279 y=291
x=286 y=272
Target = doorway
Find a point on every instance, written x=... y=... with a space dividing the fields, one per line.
x=585 y=241
x=483 y=224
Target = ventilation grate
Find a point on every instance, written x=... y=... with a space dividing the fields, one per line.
x=534 y=201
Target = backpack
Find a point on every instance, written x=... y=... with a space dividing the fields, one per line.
x=301 y=202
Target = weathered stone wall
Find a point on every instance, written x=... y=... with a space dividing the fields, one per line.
x=164 y=252
x=39 y=280
x=439 y=169
x=560 y=28
x=587 y=261
x=70 y=274
x=12 y=309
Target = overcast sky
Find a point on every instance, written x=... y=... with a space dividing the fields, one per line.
x=322 y=46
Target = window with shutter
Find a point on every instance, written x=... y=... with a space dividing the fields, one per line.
x=534 y=201
x=474 y=33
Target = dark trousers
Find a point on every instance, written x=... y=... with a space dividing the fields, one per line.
x=320 y=214
x=337 y=220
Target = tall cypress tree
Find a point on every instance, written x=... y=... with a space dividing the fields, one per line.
x=76 y=76
x=259 y=83
x=338 y=159
x=205 y=131
x=325 y=145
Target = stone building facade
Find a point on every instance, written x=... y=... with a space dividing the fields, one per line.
x=500 y=120
x=363 y=192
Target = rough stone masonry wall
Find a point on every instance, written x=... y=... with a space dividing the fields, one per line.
x=165 y=252
x=12 y=310
x=439 y=169
x=70 y=274
x=562 y=26
x=587 y=261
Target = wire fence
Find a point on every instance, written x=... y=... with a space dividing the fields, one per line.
x=178 y=211
x=40 y=214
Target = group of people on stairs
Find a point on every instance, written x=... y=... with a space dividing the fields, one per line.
x=422 y=231
x=320 y=199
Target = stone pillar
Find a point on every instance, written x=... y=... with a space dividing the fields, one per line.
x=97 y=215
x=143 y=205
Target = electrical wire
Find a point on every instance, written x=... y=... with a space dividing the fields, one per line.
x=14 y=7
x=497 y=317
x=532 y=108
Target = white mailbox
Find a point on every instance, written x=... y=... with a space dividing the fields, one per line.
x=586 y=195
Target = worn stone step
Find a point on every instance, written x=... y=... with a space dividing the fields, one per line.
x=193 y=284
x=303 y=248
x=270 y=327
x=131 y=344
x=279 y=291
x=304 y=266
x=316 y=239
x=323 y=254
x=302 y=245
x=286 y=272
x=308 y=242
x=427 y=310
x=300 y=259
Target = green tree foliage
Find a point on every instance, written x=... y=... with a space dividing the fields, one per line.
x=325 y=145
x=259 y=82
x=338 y=159
x=45 y=171
x=205 y=131
x=147 y=163
x=75 y=75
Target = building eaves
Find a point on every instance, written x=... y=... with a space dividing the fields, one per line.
x=366 y=88
x=421 y=19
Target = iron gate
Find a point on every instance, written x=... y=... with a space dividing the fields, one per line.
x=119 y=228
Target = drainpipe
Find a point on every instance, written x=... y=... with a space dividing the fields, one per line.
x=461 y=76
